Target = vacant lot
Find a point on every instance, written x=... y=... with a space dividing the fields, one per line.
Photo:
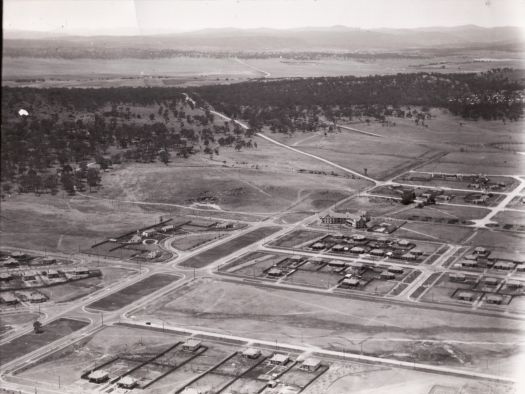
x=30 y=342
x=220 y=251
x=54 y=223
x=433 y=232
x=75 y=359
x=389 y=329
x=191 y=241
x=512 y=217
x=296 y=238
x=492 y=163
x=10 y=320
x=443 y=213
x=134 y=292
x=513 y=241
x=256 y=188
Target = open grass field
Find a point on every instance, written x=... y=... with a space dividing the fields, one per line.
x=29 y=342
x=471 y=146
x=362 y=379
x=433 y=232
x=209 y=256
x=134 y=292
x=388 y=329
x=191 y=241
x=73 y=360
x=296 y=238
x=492 y=162
x=512 y=241
x=442 y=212
x=381 y=157
x=252 y=184
x=511 y=217
x=64 y=224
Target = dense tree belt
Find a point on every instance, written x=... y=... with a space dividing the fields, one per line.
x=291 y=103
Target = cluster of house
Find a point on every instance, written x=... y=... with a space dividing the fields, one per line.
x=482 y=258
x=470 y=296
x=380 y=247
x=19 y=258
x=14 y=298
x=20 y=279
x=128 y=382
x=353 y=277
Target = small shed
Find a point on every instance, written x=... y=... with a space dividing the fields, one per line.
x=275 y=272
x=466 y=296
x=385 y=275
x=403 y=242
x=251 y=352
x=29 y=275
x=377 y=252
x=8 y=299
x=358 y=237
x=355 y=265
x=167 y=228
x=394 y=269
x=99 y=376
x=279 y=359
x=149 y=233
x=456 y=277
x=311 y=364
x=469 y=263
x=127 y=382
x=318 y=246
x=18 y=254
x=514 y=284
x=480 y=250
x=490 y=281
x=503 y=265
x=470 y=257
x=191 y=345
x=48 y=260
x=336 y=263
x=350 y=282
x=53 y=274
x=339 y=248
x=495 y=299
x=37 y=298
x=5 y=277
x=357 y=249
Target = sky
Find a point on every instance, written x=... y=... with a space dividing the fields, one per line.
x=163 y=16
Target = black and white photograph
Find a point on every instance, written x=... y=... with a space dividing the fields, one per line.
x=262 y=197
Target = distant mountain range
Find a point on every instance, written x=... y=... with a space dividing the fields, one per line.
x=335 y=38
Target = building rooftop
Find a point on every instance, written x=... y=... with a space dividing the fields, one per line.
x=251 y=352
x=311 y=362
x=192 y=343
x=279 y=358
x=465 y=294
x=98 y=374
x=127 y=381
